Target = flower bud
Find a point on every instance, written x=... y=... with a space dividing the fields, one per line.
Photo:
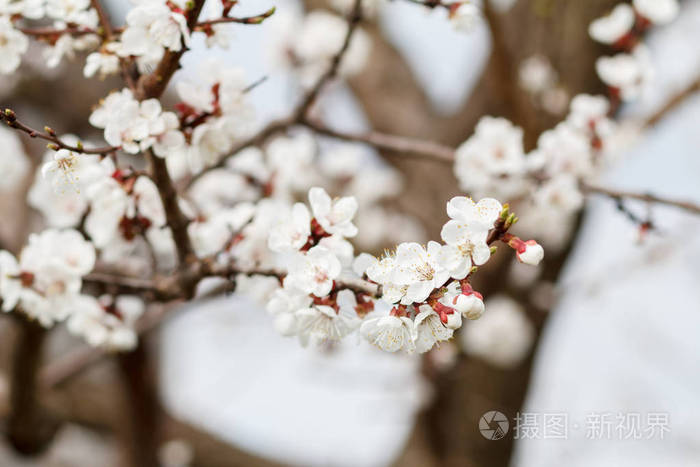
x=532 y=253
x=471 y=306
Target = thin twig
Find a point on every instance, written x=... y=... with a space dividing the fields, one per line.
x=310 y=98
x=50 y=32
x=109 y=35
x=256 y=19
x=400 y=144
x=649 y=198
x=673 y=103
x=10 y=118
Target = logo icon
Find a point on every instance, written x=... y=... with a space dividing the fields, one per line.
x=493 y=425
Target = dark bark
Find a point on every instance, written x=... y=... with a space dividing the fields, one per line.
x=143 y=410
x=29 y=428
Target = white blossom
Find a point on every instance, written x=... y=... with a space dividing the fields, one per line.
x=12 y=45
x=14 y=164
x=466 y=232
x=629 y=74
x=429 y=329
x=418 y=269
x=105 y=324
x=10 y=283
x=610 y=29
x=72 y=11
x=294 y=232
x=48 y=275
x=282 y=306
x=494 y=151
x=335 y=216
x=319 y=323
x=536 y=74
x=210 y=236
x=309 y=44
x=389 y=333
x=465 y=17
x=102 y=62
x=314 y=271
x=68 y=171
x=657 y=11
x=471 y=306
x=32 y=9
x=151 y=27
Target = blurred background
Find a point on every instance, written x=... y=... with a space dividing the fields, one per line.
x=605 y=331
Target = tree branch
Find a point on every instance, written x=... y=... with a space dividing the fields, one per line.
x=648 y=197
x=381 y=141
x=257 y=19
x=10 y=118
x=673 y=103
x=154 y=84
x=310 y=98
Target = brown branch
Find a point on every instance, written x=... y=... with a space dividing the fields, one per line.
x=649 y=198
x=109 y=35
x=175 y=218
x=381 y=141
x=301 y=113
x=673 y=103
x=310 y=98
x=10 y=118
x=49 y=32
x=257 y=19
x=142 y=432
x=154 y=84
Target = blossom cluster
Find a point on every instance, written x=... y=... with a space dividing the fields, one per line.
x=548 y=179
x=628 y=73
x=238 y=206
x=493 y=161
x=425 y=289
x=153 y=27
x=46 y=281
x=14 y=43
x=137 y=126
x=307 y=44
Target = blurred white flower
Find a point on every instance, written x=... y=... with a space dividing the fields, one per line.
x=628 y=74
x=657 y=11
x=12 y=45
x=610 y=29
x=502 y=337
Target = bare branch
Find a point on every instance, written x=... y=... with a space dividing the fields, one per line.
x=381 y=141
x=649 y=198
x=50 y=32
x=257 y=19
x=10 y=118
x=673 y=103
x=154 y=84
x=310 y=98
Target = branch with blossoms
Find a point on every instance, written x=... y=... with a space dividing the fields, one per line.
x=216 y=200
x=125 y=205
